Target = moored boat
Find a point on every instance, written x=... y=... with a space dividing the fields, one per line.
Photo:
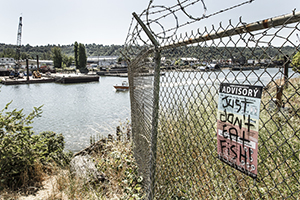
x=123 y=87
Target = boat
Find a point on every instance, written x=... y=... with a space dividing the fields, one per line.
x=123 y=87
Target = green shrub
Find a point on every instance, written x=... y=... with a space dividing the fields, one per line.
x=23 y=154
x=296 y=62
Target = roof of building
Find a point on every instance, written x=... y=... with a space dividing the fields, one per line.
x=101 y=58
x=189 y=59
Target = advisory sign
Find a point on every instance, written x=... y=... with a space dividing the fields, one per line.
x=237 y=126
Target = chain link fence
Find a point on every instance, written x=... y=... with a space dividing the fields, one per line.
x=175 y=88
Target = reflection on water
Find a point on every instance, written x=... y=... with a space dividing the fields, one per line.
x=75 y=110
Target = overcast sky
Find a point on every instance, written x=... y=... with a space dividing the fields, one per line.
x=107 y=21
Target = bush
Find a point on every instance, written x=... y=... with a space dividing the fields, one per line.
x=296 y=62
x=22 y=153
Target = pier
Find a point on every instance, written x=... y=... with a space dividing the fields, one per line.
x=75 y=78
x=58 y=78
x=16 y=81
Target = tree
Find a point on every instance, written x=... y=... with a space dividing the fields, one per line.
x=56 y=57
x=67 y=60
x=296 y=62
x=82 y=57
x=76 y=54
x=24 y=56
x=9 y=53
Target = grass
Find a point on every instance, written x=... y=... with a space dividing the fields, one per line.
x=31 y=186
x=187 y=163
x=115 y=160
x=117 y=163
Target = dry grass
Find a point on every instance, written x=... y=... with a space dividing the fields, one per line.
x=115 y=160
x=117 y=163
x=188 y=167
x=37 y=188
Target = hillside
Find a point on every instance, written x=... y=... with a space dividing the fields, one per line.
x=202 y=53
x=44 y=52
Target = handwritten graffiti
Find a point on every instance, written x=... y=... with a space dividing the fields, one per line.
x=237 y=127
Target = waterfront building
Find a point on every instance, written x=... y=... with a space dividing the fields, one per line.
x=7 y=63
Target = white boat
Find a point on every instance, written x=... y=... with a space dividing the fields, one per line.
x=123 y=87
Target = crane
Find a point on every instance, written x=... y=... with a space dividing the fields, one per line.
x=18 y=44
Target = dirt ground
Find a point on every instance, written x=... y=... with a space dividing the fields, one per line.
x=47 y=192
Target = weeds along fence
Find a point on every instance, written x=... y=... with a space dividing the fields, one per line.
x=175 y=100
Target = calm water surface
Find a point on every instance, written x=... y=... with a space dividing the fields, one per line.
x=78 y=111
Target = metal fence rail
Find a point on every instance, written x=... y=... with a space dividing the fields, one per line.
x=174 y=90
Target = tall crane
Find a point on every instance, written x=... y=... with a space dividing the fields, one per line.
x=19 y=43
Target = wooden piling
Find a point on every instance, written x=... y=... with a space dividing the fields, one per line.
x=27 y=68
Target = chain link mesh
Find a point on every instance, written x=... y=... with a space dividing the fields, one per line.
x=191 y=71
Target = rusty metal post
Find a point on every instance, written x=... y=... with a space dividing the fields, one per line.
x=286 y=69
x=27 y=68
x=279 y=90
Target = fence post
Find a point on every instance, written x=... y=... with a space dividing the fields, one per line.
x=157 y=59
x=154 y=123
x=280 y=88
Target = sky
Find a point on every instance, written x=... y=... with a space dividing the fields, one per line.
x=107 y=21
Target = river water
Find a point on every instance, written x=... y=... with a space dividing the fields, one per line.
x=79 y=111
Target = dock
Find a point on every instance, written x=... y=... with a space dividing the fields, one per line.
x=17 y=81
x=75 y=78
x=57 y=78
